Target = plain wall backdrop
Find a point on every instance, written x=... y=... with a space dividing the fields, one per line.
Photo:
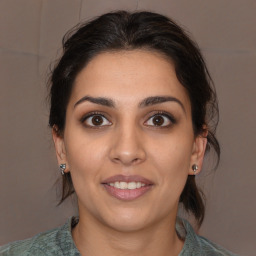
x=30 y=39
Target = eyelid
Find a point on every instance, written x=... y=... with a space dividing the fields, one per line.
x=91 y=114
x=170 y=117
x=165 y=114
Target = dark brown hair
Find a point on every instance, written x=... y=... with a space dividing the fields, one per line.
x=122 y=30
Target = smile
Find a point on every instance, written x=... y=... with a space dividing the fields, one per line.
x=127 y=185
x=127 y=188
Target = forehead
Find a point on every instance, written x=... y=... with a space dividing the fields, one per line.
x=129 y=75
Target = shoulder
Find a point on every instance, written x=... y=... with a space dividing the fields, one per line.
x=57 y=241
x=211 y=249
x=198 y=245
x=40 y=244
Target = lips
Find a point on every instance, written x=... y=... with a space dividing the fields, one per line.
x=131 y=178
x=127 y=187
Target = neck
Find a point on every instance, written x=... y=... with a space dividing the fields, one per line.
x=159 y=239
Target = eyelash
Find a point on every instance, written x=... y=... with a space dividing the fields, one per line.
x=158 y=113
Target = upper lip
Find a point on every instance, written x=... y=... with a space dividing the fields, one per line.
x=127 y=178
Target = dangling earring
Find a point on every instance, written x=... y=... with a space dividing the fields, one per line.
x=194 y=168
x=62 y=168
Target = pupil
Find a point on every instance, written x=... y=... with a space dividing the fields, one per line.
x=97 y=120
x=158 y=120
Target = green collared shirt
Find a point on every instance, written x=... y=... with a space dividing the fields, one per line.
x=59 y=242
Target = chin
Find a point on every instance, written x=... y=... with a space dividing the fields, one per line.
x=129 y=220
x=127 y=225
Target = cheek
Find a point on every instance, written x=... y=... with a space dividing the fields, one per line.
x=172 y=158
x=85 y=154
x=174 y=149
x=86 y=158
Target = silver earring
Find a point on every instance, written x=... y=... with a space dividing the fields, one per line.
x=194 y=168
x=62 y=168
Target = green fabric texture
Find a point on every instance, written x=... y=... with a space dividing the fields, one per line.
x=59 y=242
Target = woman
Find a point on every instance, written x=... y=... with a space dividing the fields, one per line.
x=132 y=114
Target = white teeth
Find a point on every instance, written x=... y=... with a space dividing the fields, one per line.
x=123 y=185
x=127 y=185
x=138 y=185
x=116 y=185
x=132 y=185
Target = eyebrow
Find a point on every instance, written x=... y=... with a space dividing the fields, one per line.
x=149 y=101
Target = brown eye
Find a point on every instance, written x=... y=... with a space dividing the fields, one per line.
x=158 y=120
x=161 y=120
x=95 y=120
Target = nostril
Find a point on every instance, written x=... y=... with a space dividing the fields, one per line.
x=133 y=161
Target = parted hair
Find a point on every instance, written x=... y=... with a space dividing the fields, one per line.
x=122 y=30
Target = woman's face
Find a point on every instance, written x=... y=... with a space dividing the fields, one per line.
x=128 y=140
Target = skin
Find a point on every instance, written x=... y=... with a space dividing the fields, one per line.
x=129 y=141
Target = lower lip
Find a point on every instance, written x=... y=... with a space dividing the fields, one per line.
x=127 y=194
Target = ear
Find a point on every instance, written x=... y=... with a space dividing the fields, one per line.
x=198 y=152
x=60 y=149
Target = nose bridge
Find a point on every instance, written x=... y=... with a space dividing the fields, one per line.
x=127 y=147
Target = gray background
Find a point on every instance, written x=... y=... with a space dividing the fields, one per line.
x=30 y=38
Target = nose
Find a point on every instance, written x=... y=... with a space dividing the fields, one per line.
x=127 y=147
